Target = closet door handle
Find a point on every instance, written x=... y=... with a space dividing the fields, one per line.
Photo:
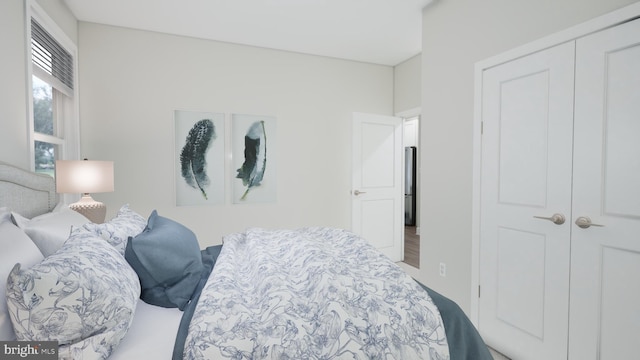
x=557 y=219
x=358 y=192
x=584 y=222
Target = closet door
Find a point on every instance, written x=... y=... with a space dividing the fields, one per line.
x=527 y=115
x=605 y=260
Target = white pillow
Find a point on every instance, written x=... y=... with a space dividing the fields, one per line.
x=16 y=248
x=49 y=231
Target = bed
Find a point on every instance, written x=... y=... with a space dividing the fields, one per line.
x=140 y=287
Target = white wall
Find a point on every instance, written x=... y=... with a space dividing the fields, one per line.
x=407 y=85
x=14 y=145
x=456 y=34
x=13 y=104
x=131 y=82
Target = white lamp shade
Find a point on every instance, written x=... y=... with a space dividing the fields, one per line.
x=84 y=176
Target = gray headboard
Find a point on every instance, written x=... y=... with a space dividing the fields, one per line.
x=25 y=192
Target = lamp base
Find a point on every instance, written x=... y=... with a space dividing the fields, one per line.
x=93 y=210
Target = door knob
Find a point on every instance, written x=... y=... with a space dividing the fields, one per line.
x=358 y=192
x=557 y=219
x=584 y=222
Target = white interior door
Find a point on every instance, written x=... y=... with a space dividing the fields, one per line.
x=377 y=193
x=605 y=260
x=527 y=115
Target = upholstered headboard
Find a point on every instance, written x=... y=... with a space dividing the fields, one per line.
x=25 y=192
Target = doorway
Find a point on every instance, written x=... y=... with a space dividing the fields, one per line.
x=411 y=190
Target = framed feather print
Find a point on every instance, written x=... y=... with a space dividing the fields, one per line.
x=199 y=158
x=254 y=158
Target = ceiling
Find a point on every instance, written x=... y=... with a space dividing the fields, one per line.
x=385 y=32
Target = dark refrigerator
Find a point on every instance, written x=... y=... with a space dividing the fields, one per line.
x=410 y=186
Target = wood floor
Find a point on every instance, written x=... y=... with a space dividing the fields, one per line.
x=411 y=247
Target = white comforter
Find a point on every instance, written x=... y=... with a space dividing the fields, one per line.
x=315 y=293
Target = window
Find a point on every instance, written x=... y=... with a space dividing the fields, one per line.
x=53 y=108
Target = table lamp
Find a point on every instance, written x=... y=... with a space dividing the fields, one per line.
x=85 y=177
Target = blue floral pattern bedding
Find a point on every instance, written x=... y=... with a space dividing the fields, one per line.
x=83 y=296
x=314 y=293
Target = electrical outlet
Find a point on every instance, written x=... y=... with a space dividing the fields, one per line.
x=443 y=269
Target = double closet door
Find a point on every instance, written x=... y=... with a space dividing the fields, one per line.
x=559 y=251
